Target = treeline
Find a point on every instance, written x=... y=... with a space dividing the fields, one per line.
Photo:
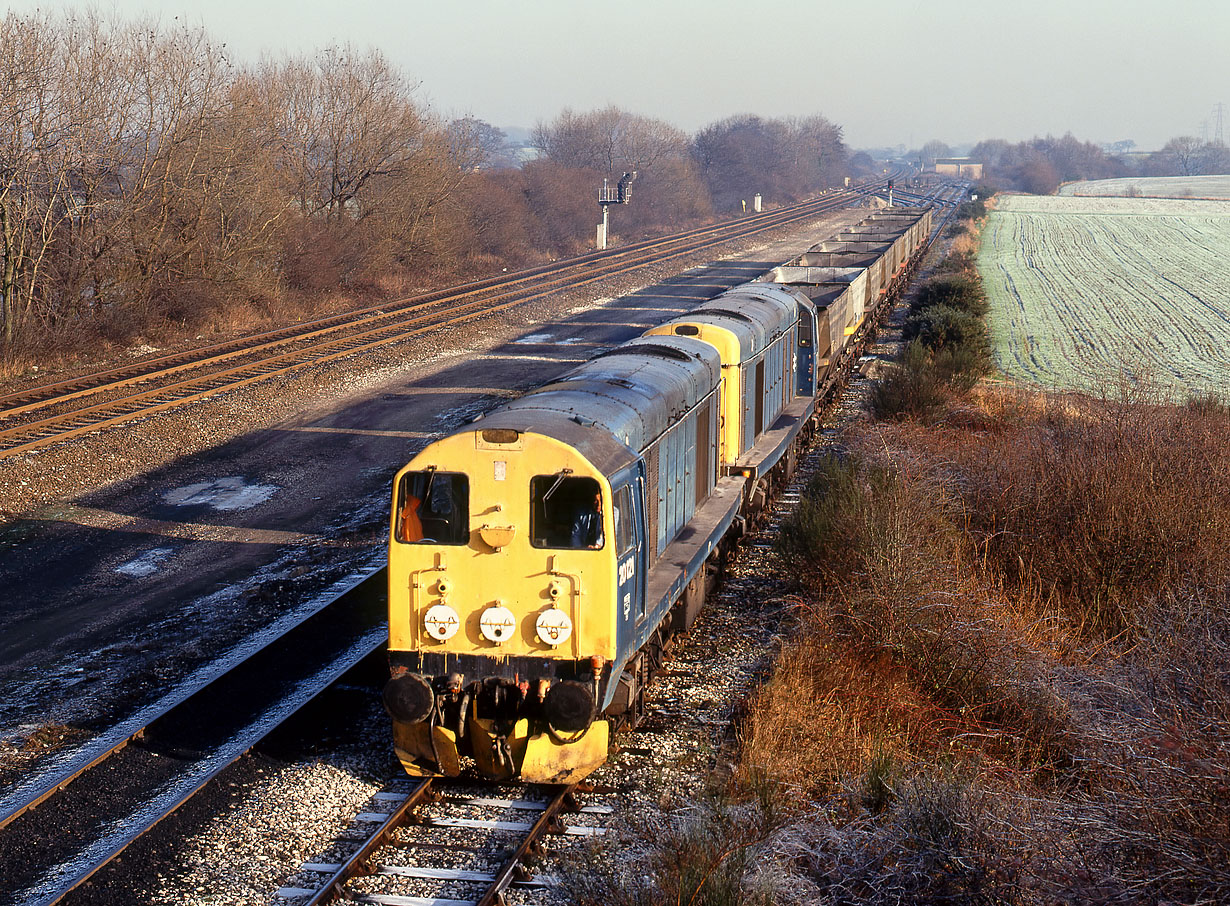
x=1041 y=165
x=150 y=185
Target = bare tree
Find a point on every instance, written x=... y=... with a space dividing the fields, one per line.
x=476 y=144
x=1185 y=153
x=931 y=151
x=609 y=140
x=785 y=159
x=32 y=127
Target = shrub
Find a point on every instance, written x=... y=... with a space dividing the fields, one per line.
x=960 y=367
x=960 y=291
x=942 y=326
x=862 y=522
x=1208 y=404
x=921 y=386
x=971 y=210
x=957 y=262
x=1103 y=502
x=819 y=535
x=705 y=854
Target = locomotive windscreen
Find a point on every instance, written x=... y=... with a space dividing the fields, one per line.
x=565 y=512
x=433 y=508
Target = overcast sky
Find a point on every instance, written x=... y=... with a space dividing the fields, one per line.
x=889 y=71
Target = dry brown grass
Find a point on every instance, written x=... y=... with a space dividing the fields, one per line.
x=1090 y=504
x=1009 y=680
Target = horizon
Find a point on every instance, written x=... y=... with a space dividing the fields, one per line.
x=1147 y=75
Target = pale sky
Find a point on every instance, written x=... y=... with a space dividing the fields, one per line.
x=889 y=71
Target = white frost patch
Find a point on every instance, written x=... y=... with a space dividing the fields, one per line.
x=533 y=338
x=222 y=494
x=138 y=351
x=147 y=564
x=601 y=303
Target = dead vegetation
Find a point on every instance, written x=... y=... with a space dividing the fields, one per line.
x=1008 y=680
x=1010 y=676
x=154 y=191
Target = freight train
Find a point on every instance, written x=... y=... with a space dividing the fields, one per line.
x=542 y=557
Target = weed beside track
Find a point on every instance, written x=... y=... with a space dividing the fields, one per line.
x=1008 y=681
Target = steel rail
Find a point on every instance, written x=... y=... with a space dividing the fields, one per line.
x=117 y=411
x=51 y=394
x=359 y=864
x=69 y=875
x=356 y=606
x=356 y=865
x=355 y=593
x=507 y=872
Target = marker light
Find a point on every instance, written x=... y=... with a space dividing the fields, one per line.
x=441 y=622
x=497 y=624
x=553 y=627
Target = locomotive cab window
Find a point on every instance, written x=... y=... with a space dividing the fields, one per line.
x=566 y=512
x=433 y=508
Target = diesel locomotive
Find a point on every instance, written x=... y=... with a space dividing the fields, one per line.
x=541 y=558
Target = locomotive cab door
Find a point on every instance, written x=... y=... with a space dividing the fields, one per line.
x=805 y=361
x=631 y=566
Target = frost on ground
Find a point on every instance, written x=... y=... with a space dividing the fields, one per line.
x=1153 y=187
x=1085 y=290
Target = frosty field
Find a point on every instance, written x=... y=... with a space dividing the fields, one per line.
x=1154 y=187
x=1086 y=290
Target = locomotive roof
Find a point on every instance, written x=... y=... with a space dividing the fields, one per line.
x=615 y=405
x=756 y=313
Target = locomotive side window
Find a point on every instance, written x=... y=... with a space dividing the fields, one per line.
x=433 y=508
x=622 y=512
x=566 y=512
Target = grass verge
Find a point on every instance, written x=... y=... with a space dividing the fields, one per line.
x=1008 y=678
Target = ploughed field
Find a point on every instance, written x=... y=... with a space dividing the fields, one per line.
x=1085 y=290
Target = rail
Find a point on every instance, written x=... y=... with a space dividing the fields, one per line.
x=237 y=364
x=207 y=724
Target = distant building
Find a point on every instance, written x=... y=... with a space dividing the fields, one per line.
x=960 y=167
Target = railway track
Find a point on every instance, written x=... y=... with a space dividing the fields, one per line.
x=60 y=829
x=52 y=413
x=172 y=750
x=445 y=844
x=60 y=826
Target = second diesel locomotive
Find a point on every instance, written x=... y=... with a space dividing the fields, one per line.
x=541 y=557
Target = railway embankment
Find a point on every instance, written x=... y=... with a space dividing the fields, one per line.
x=1003 y=676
